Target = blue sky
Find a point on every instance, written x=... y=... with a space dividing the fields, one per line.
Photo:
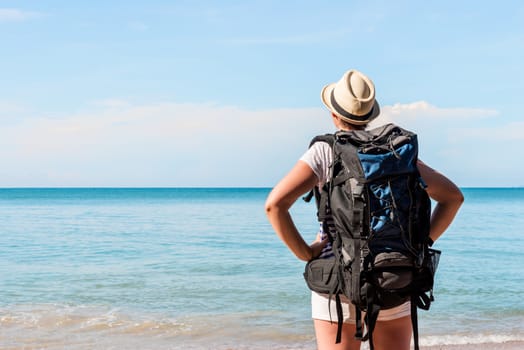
x=226 y=93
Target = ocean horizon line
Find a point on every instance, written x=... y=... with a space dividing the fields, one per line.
x=203 y=187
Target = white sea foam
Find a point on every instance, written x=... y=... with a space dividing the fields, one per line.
x=463 y=339
x=82 y=327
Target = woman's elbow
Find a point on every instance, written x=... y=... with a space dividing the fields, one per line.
x=459 y=201
x=276 y=202
x=460 y=198
x=457 y=196
x=272 y=206
x=269 y=207
x=453 y=198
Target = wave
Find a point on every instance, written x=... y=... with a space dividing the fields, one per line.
x=469 y=339
x=51 y=326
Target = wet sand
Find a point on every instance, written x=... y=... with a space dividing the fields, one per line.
x=513 y=345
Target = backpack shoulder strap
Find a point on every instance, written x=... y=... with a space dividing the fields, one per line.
x=330 y=140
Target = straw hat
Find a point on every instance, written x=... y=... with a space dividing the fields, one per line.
x=352 y=98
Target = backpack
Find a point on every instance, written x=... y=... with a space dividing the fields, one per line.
x=377 y=202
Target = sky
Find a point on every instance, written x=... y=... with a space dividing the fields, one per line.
x=226 y=93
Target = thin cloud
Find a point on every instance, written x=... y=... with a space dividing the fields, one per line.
x=164 y=144
x=114 y=142
x=502 y=133
x=17 y=15
x=138 y=26
x=280 y=40
x=459 y=141
x=422 y=111
x=111 y=103
x=320 y=37
x=175 y=123
x=427 y=108
x=9 y=109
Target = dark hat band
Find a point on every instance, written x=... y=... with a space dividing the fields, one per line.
x=346 y=114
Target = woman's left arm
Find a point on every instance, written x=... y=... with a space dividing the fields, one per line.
x=298 y=181
x=448 y=196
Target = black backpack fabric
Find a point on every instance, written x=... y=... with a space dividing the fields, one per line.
x=378 y=204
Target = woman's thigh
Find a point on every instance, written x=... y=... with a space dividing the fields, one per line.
x=326 y=334
x=393 y=335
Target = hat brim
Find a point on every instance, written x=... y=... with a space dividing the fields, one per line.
x=325 y=97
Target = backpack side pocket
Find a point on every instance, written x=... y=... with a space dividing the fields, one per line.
x=321 y=275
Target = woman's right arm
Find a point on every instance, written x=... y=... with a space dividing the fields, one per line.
x=298 y=181
x=448 y=196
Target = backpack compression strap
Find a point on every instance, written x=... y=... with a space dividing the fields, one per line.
x=418 y=301
x=414 y=323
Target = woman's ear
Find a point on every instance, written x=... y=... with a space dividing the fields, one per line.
x=336 y=120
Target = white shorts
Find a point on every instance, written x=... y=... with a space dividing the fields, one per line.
x=321 y=307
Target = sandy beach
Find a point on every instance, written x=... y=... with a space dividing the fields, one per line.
x=486 y=346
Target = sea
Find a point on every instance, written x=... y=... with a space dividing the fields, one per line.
x=201 y=268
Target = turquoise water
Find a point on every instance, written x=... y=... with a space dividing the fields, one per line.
x=202 y=268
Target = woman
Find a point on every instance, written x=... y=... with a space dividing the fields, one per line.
x=352 y=104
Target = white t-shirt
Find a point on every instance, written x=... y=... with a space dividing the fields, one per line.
x=319 y=158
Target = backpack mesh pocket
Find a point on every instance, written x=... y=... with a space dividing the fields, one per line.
x=425 y=275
